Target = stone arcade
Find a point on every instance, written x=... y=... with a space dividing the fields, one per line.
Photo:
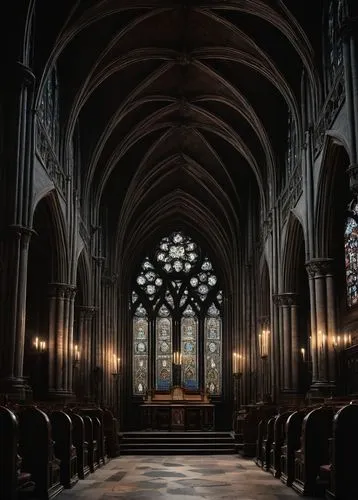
x=179 y=239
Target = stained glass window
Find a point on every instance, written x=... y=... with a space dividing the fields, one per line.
x=213 y=350
x=140 y=351
x=164 y=351
x=334 y=39
x=48 y=111
x=189 y=349
x=178 y=289
x=351 y=256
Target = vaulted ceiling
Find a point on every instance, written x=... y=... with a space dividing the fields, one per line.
x=181 y=107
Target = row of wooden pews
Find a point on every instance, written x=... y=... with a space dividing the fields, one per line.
x=314 y=450
x=44 y=448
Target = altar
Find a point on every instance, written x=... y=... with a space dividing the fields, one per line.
x=178 y=410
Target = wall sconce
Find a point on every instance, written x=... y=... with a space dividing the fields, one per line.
x=341 y=342
x=264 y=343
x=237 y=363
x=177 y=358
x=116 y=365
x=303 y=354
x=40 y=345
x=76 y=355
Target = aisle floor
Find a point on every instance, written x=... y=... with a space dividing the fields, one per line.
x=190 y=477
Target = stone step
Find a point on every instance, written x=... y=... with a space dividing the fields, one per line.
x=182 y=451
x=163 y=442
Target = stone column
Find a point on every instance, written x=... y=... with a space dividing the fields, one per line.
x=323 y=325
x=86 y=314
x=290 y=353
x=15 y=202
x=60 y=339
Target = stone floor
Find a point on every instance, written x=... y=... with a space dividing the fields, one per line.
x=211 y=477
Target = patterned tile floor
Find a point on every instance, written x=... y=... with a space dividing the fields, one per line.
x=191 y=477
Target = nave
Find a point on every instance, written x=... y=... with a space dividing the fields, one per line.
x=211 y=477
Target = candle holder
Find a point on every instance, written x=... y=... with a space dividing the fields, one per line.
x=39 y=345
x=76 y=356
x=264 y=343
x=177 y=362
x=116 y=366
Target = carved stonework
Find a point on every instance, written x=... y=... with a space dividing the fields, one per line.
x=287 y=299
x=62 y=291
x=319 y=267
x=329 y=111
x=49 y=158
x=291 y=193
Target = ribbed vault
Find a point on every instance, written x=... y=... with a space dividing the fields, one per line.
x=180 y=106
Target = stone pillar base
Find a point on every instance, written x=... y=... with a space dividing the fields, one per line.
x=319 y=391
x=15 y=389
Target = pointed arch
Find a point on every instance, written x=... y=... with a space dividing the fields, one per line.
x=293 y=250
x=332 y=196
x=57 y=235
x=84 y=289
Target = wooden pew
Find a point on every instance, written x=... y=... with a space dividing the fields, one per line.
x=14 y=483
x=267 y=443
x=36 y=449
x=261 y=434
x=90 y=435
x=80 y=443
x=98 y=428
x=314 y=451
x=343 y=481
x=64 y=450
x=278 y=442
x=111 y=432
x=291 y=443
x=250 y=426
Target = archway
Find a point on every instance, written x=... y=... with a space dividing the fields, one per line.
x=44 y=268
x=295 y=302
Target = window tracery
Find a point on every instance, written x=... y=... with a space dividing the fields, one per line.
x=334 y=43
x=179 y=291
x=351 y=255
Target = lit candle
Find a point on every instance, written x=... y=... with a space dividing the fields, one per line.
x=118 y=364
x=303 y=353
x=36 y=343
x=115 y=363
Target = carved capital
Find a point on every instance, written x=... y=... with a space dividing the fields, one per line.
x=287 y=299
x=62 y=290
x=276 y=299
x=70 y=292
x=319 y=267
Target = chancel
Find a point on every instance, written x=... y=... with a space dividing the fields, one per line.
x=179 y=248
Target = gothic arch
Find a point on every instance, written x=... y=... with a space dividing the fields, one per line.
x=332 y=196
x=57 y=235
x=83 y=283
x=293 y=249
x=265 y=288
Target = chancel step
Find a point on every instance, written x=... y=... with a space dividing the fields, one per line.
x=174 y=443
